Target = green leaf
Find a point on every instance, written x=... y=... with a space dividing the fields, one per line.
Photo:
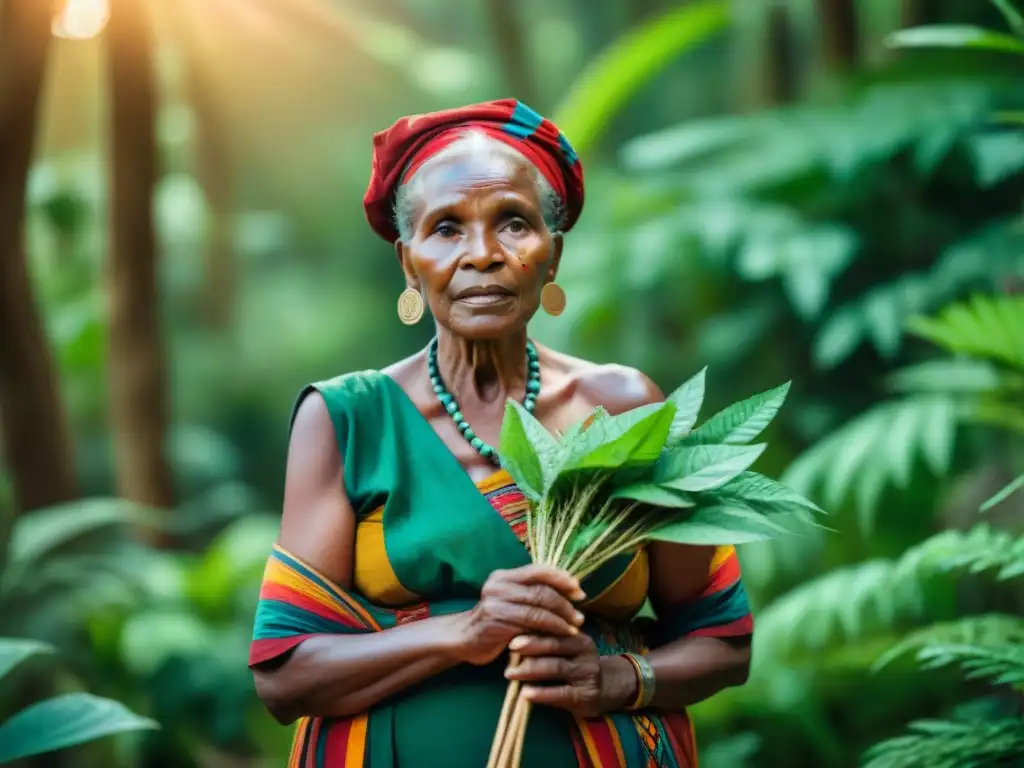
x=1012 y=15
x=631 y=62
x=1006 y=492
x=519 y=456
x=741 y=422
x=719 y=525
x=704 y=467
x=571 y=434
x=955 y=36
x=65 y=721
x=765 y=494
x=14 y=650
x=633 y=438
x=655 y=495
x=984 y=326
x=687 y=399
x=946 y=376
x=45 y=532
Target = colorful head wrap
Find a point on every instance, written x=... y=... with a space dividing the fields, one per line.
x=407 y=144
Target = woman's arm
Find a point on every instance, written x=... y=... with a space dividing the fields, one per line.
x=710 y=650
x=328 y=675
x=715 y=656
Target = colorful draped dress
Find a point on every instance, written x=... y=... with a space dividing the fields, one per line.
x=427 y=537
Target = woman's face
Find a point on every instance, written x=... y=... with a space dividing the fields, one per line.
x=479 y=250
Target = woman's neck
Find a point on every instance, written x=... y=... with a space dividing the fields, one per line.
x=484 y=371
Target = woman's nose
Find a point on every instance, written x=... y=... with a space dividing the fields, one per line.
x=483 y=252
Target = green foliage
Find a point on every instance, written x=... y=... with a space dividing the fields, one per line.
x=880 y=447
x=880 y=598
x=742 y=422
x=62 y=721
x=688 y=400
x=956 y=36
x=623 y=479
x=989 y=647
x=612 y=78
x=989 y=327
x=948 y=744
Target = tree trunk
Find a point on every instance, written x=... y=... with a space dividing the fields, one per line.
x=507 y=33
x=839 y=34
x=212 y=167
x=778 y=72
x=36 y=439
x=139 y=405
x=916 y=13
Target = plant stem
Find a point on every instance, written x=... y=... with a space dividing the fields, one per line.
x=520 y=740
x=611 y=530
x=519 y=716
x=501 y=733
x=580 y=504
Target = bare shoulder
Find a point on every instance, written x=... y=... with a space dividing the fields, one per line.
x=408 y=374
x=312 y=423
x=617 y=388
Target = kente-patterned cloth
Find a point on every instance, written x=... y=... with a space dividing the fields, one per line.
x=401 y=149
x=427 y=538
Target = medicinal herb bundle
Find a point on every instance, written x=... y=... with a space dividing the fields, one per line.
x=613 y=483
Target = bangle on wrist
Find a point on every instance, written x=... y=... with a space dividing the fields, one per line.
x=644 y=681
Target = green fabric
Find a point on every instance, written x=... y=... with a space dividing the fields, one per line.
x=443 y=540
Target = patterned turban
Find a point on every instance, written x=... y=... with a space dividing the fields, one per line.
x=406 y=145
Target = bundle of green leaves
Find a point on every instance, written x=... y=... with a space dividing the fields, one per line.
x=612 y=483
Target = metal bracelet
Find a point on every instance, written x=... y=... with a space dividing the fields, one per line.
x=645 y=680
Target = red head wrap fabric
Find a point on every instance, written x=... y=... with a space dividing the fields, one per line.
x=412 y=140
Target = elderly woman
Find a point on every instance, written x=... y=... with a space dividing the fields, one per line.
x=400 y=579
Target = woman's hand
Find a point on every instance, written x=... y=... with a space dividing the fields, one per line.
x=577 y=678
x=530 y=599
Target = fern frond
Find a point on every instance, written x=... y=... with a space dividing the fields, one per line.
x=999 y=666
x=879 y=599
x=982 y=549
x=989 y=646
x=881 y=315
x=877 y=449
x=951 y=744
x=984 y=326
x=850 y=604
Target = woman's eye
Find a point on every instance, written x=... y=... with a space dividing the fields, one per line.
x=446 y=230
x=516 y=226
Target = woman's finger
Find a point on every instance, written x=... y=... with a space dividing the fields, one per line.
x=564 y=696
x=534 y=619
x=546 y=645
x=555 y=578
x=541 y=596
x=540 y=669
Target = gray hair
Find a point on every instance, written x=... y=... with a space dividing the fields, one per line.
x=475 y=142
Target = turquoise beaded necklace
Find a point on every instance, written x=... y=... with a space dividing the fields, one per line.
x=448 y=400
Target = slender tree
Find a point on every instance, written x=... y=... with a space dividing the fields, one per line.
x=138 y=387
x=840 y=36
x=915 y=13
x=511 y=49
x=778 y=74
x=36 y=440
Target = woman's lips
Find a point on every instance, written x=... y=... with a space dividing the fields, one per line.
x=486 y=299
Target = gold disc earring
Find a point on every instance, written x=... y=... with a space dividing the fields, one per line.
x=552 y=298
x=410 y=306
